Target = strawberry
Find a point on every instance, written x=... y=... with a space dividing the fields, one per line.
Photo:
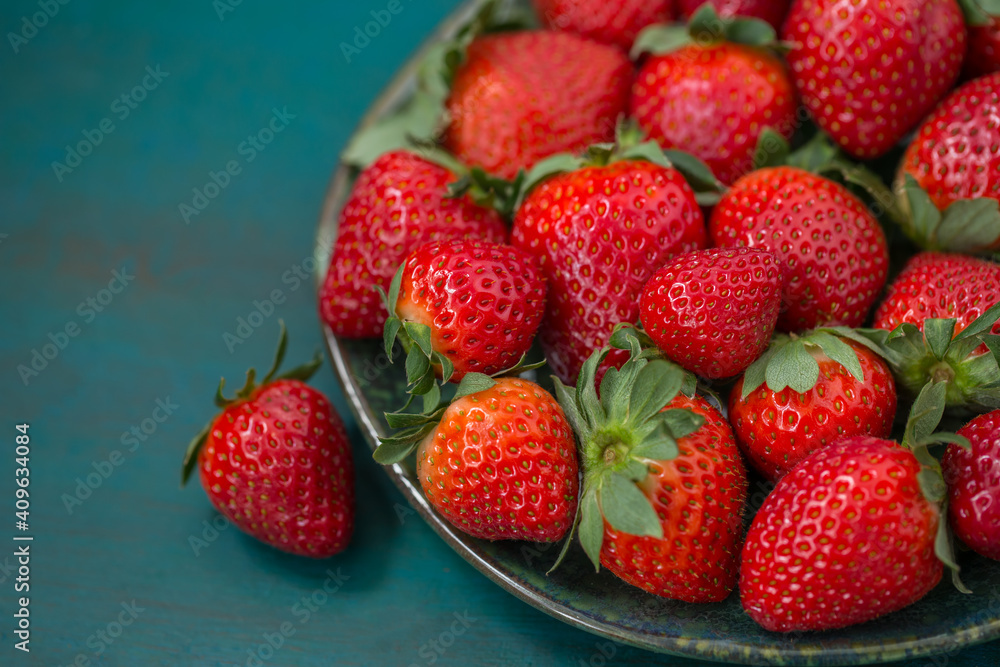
x=713 y=311
x=940 y=285
x=599 y=233
x=477 y=305
x=983 y=55
x=722 y=123
x=397 y=204
x=499 y=462
x=617 y=22
x=954 y=161
x=772 y=11
x=664 y=487
x=519 y=97
x=845 y=537
x=973 y=478
x=834 y=251
x=819 y=389
x=870 y=70
x=941 y=310
x=277 y=463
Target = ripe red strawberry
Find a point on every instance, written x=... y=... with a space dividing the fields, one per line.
x=616 y=22
x=664 y=485
x=833 y=248
x=277 y=463
x=973 y=478
x=599 y=233
x=940 y=285
x=478 y=304
x=696 y=558
x=776 y=427
x=870 y=70
x=954 y=157
x=845 y=537
x=932 y=289
x=399 y=203
x=522 y=96
x=499 y=462
x=721 y=124
x=772 y=11
x=984 y=50
x=713 y=311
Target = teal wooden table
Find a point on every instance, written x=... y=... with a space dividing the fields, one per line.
x=163 y=167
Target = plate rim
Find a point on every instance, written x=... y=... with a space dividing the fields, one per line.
x=717 y=649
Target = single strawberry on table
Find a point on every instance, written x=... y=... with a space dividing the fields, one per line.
x=772 y=11
x=277 y=463
x=942 y=311
x=713 y=312
x=870 y=70
x=714 y=93
x=664 y=487
x=462 y=306
x=616 y=22
x=600 y=229
x=519 y=97
x=834 y=251
x=807 y=393
x=973 y=478
x=949 y=179
x=499 y=462
x=397 y=204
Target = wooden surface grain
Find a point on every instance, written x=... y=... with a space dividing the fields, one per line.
x=131 y=547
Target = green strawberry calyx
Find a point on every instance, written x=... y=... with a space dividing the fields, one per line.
x=820 y=156
x=790 y=361
x=920 y=437
x=621 y=433
x=979 y=12
x=705 y=28
x=629 y=146
x=423 y=363
x=419 y=121
x=971 y=379
x=970 y=226
x=412 y=428
x=250 y=386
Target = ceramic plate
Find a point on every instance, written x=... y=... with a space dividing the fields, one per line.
x=600 y=603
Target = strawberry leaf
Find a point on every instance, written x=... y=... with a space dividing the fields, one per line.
x=944 y=549
x=655 y=385
x=417 y=365
x=191 y=455
x=981 y=324
x=814 y=155
x=840 y=352
x=698 y=175
x=648 y=151
x=567 y=401
x=969 y=226
x=392 y=326
x=542 y=171
x=682 y=422
x=993 y=343
x=392 y=450
x=939 y=333
x=772 y=150
x=473 y=383
x=592 y=528
x=707 y=27
x=432 y=399
x=792 y=367
x=756 y=373
x=659 y=445
x=926 y=413
x=976 y=12
x=627 y=508
x=659 y=39
x=279 y=355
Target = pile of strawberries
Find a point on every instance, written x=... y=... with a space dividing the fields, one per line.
x=690 y=221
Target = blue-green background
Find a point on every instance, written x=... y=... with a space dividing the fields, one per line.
x=162 y=338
